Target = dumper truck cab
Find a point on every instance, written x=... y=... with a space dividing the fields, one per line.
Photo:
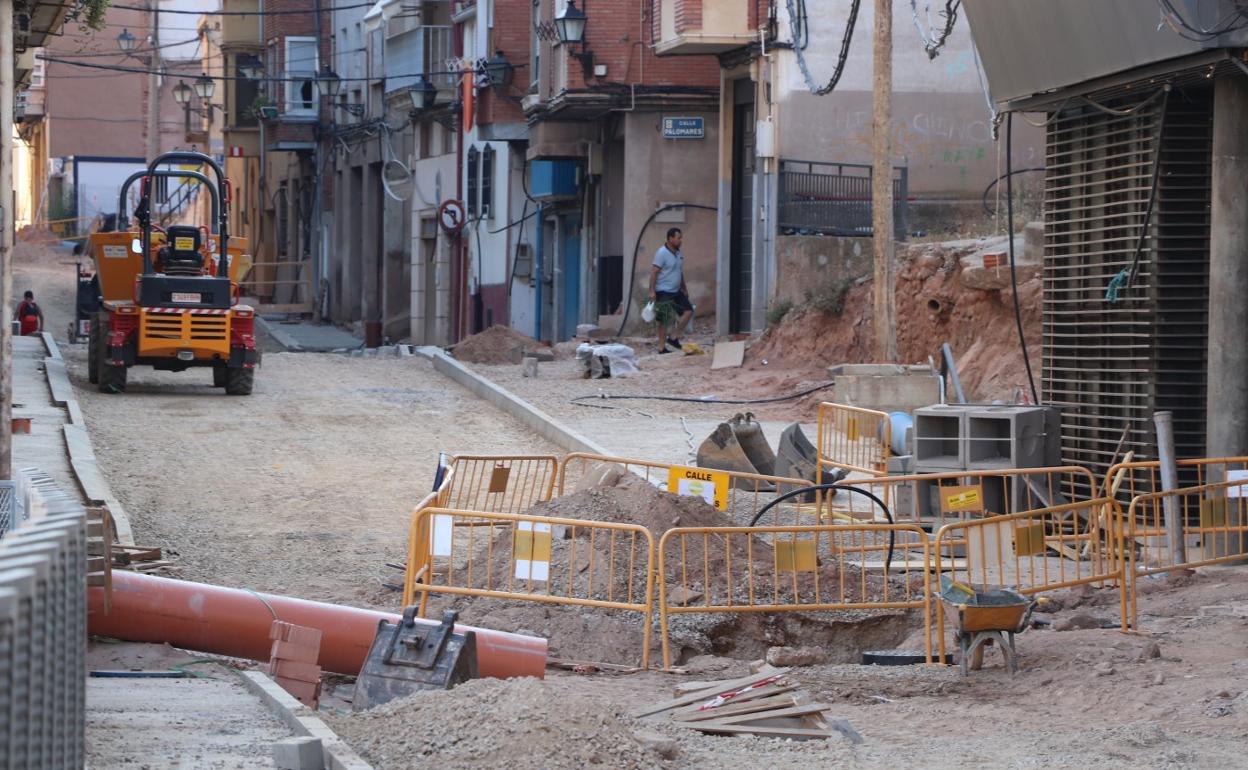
x=169 y=295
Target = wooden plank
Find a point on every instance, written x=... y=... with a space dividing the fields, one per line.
x=731 y=709
x=728 y=355
x=760 y=730
x=726 y=686
x=762 y=692
x=792 y=711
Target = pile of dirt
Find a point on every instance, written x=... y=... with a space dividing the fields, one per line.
x=495 y=345
x=933 y=306
x=592 y=563
x=517 y=723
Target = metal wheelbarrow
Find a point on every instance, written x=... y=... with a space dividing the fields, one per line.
x=982 y=617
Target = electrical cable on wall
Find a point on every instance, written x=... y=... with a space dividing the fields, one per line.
x=1123 y=279
x=1009 y=226
x=632 y=272
x=1234 y=21
x=796 y=29
x=933 y=42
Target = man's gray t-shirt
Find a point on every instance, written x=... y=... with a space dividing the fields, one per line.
x=670 y=268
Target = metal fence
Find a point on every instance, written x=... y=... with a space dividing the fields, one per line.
x=43 y=632
x=835 y=198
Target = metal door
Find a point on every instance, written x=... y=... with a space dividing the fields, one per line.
x=741 y=250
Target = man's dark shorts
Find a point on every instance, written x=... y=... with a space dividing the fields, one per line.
x=675 y=302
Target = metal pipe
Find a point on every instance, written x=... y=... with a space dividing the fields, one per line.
x=1170 y=481
x=229 y=621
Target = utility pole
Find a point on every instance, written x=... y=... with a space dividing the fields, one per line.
x=885 y=315
x=153 y=85
x=7 y=92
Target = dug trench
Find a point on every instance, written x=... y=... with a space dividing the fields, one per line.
x=587 y=562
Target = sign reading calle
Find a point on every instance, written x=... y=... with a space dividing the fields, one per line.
x=684 y=128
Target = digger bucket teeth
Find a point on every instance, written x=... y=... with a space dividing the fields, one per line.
x=722 y=451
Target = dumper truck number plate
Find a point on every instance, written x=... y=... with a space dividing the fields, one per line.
x=185 y=296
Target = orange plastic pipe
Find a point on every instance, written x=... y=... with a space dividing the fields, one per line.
x=228 y=621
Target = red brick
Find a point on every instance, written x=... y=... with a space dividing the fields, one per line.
x=290 y=669
x=306 y=693
x=305 y=636
x=296 y=652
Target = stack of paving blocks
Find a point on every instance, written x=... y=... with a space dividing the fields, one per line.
x=292 y=661
x=982 y=437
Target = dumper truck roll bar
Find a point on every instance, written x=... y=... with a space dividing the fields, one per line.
x=222 y=212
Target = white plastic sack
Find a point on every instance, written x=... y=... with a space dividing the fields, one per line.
x=647 y=313
x=616 y=360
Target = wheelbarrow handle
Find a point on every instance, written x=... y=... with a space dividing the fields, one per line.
x=1026 y=622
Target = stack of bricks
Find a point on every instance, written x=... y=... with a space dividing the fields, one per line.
x=292 y=661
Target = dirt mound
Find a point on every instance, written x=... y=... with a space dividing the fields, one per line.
x=933 y=306
x=492 y=723
x=495 y=345
x=596 y=564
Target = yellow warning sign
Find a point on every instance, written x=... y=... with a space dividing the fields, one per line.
x=183 y=243
x=968 y=499
x=531 y=552
x=796 y=556
x=851 y=429
x=711 y=486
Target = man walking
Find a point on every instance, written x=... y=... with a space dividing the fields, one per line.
x=29 y=314
x=668 y=292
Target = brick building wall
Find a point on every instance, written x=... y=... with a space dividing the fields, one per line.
x=511 y=34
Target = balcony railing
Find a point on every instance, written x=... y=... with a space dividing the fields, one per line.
x=835 y=198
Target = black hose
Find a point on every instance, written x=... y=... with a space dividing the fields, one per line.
x=983 y=199
x=1009 y=218
x=692 y=400
x=632 y=271
x=892 y=533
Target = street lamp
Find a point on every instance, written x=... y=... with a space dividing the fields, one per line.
x=328 y=82
x=500 y=72
x=571 y=28
x=204 y=87
x=182 y=93
x=250 y=67
x=422 y=93
x=126 y=41
x=571 y=24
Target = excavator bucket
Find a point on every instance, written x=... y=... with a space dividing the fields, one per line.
x=722 y=452
x=796 y=457
x=406 y=657
x=750 y=436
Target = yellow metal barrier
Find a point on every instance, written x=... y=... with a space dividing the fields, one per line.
x=538 y=559
x=1032 y=551
x=853 y=438
x=936 y=499
x=500 y=484
x=791 y=569
x=740 y=495
x=1132 y=479
x=1184 y=528
x=417 y=556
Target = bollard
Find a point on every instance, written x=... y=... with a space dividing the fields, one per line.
x=530 y=366
x=1169 y=482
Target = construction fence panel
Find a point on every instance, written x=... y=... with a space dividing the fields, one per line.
x=43 y=633
x=792 y=569
x=539 y=559
x=500 y=483
x=1185 y=528
x=937 y=499
x=739 y=495
x=853 y=438
x=1128 y=480
x=1033 y=551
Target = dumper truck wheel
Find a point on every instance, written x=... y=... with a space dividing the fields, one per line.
x=219 y=376
x=112 y=378
x=93 y=352
x=238 y=382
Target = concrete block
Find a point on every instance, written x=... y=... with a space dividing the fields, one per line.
x=939 y=438
x=304 y=753
x=901 y=465
x=898 y=392
x=530 y=366
x=541 y=354
x=1005 y=437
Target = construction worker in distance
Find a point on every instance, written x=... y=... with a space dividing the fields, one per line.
x=668 y=292
x=29 y=314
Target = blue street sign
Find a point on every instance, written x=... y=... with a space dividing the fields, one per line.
x=684 y=128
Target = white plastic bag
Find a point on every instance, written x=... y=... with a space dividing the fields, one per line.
x=647 y=313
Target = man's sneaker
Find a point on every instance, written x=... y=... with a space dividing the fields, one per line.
x=663 y=350
x=673 y=343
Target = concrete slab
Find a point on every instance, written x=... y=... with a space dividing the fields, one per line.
x=179 y=723
x=303 y=721
x=308 y=337
x=44 y=447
